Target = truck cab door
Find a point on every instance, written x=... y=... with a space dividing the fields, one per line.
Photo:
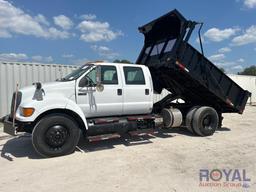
x=137 y=89
x=109 y=102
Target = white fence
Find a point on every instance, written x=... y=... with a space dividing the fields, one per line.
x=248 y=83
x=25 y=74
x=158 y=97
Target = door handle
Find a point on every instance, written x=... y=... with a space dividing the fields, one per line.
x=146 y=91
x=119 y=91
x=82 y=93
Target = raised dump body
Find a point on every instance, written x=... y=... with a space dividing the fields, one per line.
x=178 y=67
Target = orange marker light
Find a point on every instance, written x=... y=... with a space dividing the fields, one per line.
x=27 y=112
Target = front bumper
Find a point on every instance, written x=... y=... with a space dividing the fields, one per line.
x=9 y=127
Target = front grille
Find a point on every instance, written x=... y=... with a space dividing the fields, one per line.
x=19 y=95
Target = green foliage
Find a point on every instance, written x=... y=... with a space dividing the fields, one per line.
x=248 y=71
x=121 y=61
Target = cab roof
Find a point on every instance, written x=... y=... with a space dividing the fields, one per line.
x=116 y=64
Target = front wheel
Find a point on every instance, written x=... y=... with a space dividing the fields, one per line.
x=55 y=135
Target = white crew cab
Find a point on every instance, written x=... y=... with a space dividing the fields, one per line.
x=126 y=89
x=95 y=94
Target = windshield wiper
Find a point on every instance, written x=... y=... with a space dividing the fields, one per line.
x=62 y=79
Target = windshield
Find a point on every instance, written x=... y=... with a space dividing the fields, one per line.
x=76 y=73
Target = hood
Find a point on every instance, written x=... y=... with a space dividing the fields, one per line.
x=66 y=89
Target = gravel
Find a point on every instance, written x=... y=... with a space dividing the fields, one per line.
x=168 y=161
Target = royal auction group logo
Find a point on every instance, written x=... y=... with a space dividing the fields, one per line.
x=228 y=178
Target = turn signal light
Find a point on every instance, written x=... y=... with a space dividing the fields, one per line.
x=27 y=112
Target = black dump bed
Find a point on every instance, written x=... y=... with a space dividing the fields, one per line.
x=178 y=67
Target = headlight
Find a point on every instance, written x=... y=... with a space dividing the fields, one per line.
x=27 y=112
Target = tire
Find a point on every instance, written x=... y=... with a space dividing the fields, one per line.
x=189 y=118
x=55 y=135
x=205 y=121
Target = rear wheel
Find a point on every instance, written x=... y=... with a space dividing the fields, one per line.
x=189 y=118
x=205 y=121
x=55 y=135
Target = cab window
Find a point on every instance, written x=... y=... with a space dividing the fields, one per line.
x=92 y=75
x=89 y=79
x=109 y=75
x=134 y=76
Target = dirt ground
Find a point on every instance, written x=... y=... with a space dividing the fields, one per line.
x=168 y=161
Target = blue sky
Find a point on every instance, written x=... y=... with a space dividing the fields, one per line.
x=72 y=32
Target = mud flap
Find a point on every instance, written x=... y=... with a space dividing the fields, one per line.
x=9 y=128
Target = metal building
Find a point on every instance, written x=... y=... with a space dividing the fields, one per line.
x=246 y=82
x=25 y=74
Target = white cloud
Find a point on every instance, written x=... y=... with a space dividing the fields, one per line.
x=88 y=17
x=13 y=57
x=13 y=20
x=94 y=31
x=81 y=61
x=4 y=34
x=224 y=50
x=230 y=66
x=237 y=67
x=67 y=55
x=241 y=60
x=225 y=63
x=217 y=57
x=104 y=51
x=16 y=57
x=217 y=35
x=63 y=21
x=57 y=34
x=48 y=59
x=250 y=3
x=248 y=37
x=41 y=19
x=39 y=58
x=100 y=48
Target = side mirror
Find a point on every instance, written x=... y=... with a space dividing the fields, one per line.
x=83 y=82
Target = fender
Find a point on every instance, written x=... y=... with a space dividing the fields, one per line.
x=71 y=105
x=49 y=104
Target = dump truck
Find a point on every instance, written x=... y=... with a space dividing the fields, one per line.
x=107 y=100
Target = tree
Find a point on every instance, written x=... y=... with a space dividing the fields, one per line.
x=121 y=61
x=248 y=71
